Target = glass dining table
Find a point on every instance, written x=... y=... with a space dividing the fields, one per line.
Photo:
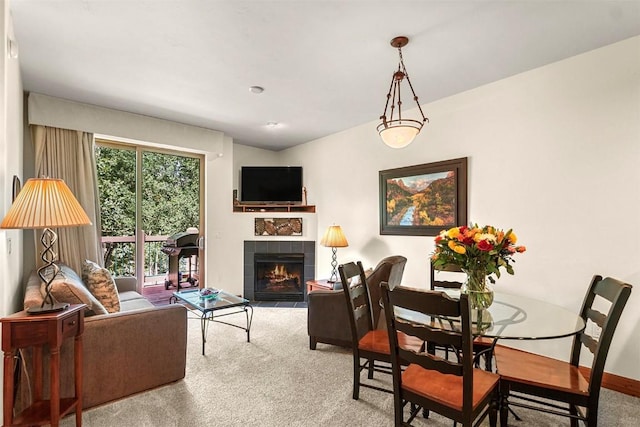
x=512 y=317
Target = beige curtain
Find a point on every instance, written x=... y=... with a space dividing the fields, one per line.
x=69 y=155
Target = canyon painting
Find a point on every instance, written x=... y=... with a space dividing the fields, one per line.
x=423 y=199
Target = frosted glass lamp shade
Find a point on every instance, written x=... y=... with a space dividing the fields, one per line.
x=399 y=136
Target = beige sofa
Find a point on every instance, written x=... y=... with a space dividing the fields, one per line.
x=136 y=349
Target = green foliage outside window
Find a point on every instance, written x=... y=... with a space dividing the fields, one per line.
x=170 y=203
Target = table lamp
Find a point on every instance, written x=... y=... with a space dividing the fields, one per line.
x=45 y=203
x=334 y=238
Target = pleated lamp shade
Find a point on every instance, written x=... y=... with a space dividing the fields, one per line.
x=334 y=238
x=45 y=203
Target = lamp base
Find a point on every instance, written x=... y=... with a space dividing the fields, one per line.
x=48 y=308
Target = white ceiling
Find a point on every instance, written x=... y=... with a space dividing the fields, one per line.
x=326 y=65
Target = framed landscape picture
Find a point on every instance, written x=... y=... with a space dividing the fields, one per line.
x=422 y=200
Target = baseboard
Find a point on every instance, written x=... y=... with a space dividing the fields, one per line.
x=616 y=382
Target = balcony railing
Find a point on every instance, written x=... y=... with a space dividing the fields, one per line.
x=120 y=252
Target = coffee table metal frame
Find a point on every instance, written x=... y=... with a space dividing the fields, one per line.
x=207 y=308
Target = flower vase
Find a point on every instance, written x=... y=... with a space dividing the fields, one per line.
x=477 y=287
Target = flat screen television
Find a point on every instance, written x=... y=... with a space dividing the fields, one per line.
x=271 y=184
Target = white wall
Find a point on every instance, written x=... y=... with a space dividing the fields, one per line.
x=553 y=153
x=11 y=241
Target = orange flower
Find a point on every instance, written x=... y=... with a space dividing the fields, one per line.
x=521 y=249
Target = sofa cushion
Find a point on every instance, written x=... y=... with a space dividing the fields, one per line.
x=67 y=287
x=133 y=301
x=101 y=285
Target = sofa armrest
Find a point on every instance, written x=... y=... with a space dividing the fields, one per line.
x=125 y=284
x=327 y=318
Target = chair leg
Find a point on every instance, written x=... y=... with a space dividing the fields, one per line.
x=574 y=421
x=312 y=343
x=371 y=364
x=504 y=411
x=356 y=377
x=398 y=411
x=493 y=413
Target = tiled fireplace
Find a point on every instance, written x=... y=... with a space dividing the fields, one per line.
x=277 y=270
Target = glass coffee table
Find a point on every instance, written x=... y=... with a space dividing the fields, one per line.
x=224 y=304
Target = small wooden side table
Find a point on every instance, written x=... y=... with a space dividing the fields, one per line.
x=22 y=330
x=314 y=285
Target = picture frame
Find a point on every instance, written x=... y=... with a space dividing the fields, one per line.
x=422 y=200
x=17 y=186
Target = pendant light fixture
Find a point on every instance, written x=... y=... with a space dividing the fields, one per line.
x=397 y=131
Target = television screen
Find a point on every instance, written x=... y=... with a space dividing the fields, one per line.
x=271 y=184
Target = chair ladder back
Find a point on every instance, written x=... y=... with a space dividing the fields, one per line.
x=433 y=304
x=617 y=293
x=357 y=298
x=444 y=284
x=430 y=361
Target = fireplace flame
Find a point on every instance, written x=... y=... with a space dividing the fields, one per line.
x=279 y=274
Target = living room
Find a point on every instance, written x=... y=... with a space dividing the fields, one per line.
x=552 y=154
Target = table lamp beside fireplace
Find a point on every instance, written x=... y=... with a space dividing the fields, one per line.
x=46 y=203
x=334 y=238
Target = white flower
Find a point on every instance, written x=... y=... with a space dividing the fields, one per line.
x=485 y=236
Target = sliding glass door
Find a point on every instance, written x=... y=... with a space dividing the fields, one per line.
x=147 y=196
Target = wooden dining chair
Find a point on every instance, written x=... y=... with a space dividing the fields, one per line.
x=527 y=376
x=437 y=283
x=481 y=345
x=452 y=388
x=370 y=346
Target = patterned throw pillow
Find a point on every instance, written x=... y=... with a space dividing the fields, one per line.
x=101 y=285
x=67 y=287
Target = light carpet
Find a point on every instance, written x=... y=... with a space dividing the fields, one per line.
x=275 y=380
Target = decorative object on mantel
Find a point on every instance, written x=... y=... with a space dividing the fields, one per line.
x=304 y=196
x=423 y=200
x=278 y=227
x=334 y=238
x=399 y=132
x=480 y=252
x=46 y=203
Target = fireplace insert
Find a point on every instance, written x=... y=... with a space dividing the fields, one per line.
x=279 y=277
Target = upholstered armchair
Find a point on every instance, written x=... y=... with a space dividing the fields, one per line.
x=328 y=320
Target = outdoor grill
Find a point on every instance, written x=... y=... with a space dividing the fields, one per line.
x=181 y=245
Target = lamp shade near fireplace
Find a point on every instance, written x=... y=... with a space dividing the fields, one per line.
x=46 y=203
x=334 y=238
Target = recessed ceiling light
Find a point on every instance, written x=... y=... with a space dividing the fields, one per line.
x=272 y=125
x=256 y=89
